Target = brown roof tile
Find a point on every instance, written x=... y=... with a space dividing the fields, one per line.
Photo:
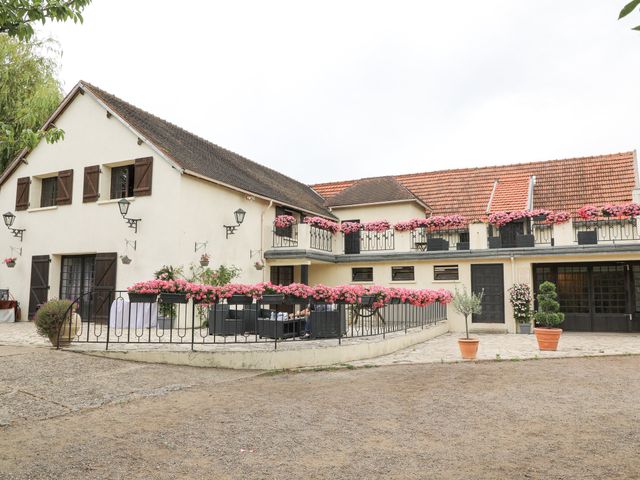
x=560 y=185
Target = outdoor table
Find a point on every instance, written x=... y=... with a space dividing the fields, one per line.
x=8 y=311
x=124 y=314
x=421 y=246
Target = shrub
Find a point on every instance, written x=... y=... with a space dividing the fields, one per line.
x=49 y=318
x=548 y=314
x=520 y=298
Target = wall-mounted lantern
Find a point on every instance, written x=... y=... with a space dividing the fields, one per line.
x=9 y=218
x=231 y=229
x=123 y=205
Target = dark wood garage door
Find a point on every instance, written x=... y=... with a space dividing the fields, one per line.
x=489 y=279
x=595 y=297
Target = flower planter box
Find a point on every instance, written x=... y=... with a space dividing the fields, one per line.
x=143 y=297
x=524 y=241
x=524 y=328
x=173 y=298
x=463 y=246
x=240 y=300
x=539 y=218
x=367 y=300
x=395 y=301
x=588 y=238
x=273 y=298
x=437 y=244
x=495 y=242
x=291 y=300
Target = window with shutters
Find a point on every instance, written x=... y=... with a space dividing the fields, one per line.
x=122 y=181
x=49 y=192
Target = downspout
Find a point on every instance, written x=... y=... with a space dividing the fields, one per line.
x=262 y=235
x=513 y=281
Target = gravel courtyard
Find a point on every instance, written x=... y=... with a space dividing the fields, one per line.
x=65 y=415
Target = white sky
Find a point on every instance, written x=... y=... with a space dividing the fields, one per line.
x=331 y=90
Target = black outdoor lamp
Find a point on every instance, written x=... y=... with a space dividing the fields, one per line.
x=231 y=229
x=9 y=218
x=123 y=205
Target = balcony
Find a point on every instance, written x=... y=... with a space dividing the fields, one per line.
x=479 y=239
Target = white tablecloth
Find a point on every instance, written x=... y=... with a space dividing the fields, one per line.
x=7 y=315
x=133 y=315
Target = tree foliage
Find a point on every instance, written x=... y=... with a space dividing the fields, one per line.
x=548 y=314
x=467 y=304
x=18 y=16
x=628 y=8
x=29 y=93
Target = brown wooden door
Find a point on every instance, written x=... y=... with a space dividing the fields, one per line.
x=489 y=278
x=39 y=286
x=105 y=285
x=352 y=240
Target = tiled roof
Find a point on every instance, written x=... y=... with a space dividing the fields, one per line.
x=371 y=190
x=560 y=185
x=205 y=158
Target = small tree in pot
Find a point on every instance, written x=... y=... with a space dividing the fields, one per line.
x=467 y=304
x=520 y=298
x=548 y=317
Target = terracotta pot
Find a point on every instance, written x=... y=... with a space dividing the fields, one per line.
x=547 y=338
x=468 y=347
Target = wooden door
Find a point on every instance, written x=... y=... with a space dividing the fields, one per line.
x=489 y=278
x=105 y=285
x=39 y=286
x=352 y=240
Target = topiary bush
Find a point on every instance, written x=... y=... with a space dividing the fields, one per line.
x=548 y=314
x=50 y=316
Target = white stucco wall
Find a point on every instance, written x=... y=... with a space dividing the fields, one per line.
x=393 y=212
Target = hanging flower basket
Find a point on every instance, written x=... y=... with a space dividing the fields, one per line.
x=173 y=298
x=204 y=263
x=258 y=265
x=125 y=260
x=143 y=297
x=204 y=259
x=10 y=262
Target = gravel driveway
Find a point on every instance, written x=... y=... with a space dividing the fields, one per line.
x=66 y=415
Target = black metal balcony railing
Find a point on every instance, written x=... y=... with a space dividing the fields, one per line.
x=285 y=237
x=377 y=241
x=542 y=233
x=608 y=229
x=110 y=318
x=320 y=239
x=454 y=236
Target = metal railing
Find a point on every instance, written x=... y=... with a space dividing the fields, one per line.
x=285 y=237
x=377 y=241
x=608 y=229
x=110 y=318
x=420 y=236
x=320 y=239
x=542 y=233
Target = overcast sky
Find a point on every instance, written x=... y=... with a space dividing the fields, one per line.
x=328 y=90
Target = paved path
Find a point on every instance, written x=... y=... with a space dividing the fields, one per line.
x=443 y=349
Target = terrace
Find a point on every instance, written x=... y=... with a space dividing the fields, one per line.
x=526 y=236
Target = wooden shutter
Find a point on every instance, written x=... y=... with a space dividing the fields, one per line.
x=39 y=287
x=104 y=285
x=142 y=177
x=65 y=187
x=90 y=189
x=22 y=193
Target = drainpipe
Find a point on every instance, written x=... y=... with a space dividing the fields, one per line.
x=513 y=277
x=262 y=235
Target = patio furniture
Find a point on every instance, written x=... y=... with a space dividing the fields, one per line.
x=437 y=244
x=225 y=320
x=421 y=246
x=289 y=328
x=327 y=324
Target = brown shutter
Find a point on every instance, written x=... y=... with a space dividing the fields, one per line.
x=22 y=193
x=90 y=188
x=39 y=287
x=142 y=177
x=105 y=284
x=65 y=187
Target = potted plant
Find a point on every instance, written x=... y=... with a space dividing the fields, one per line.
x=58 y=321
x=548 y=317
x=10 y=262
x=204 y=259
x=259 y=265
x=125 y=259
x=520 y=298
x=467 y=304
